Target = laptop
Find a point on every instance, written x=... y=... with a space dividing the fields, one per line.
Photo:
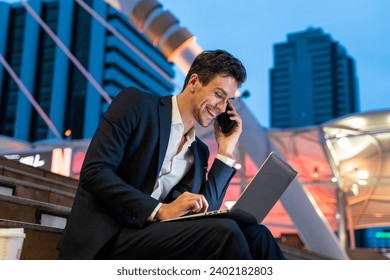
x=260 y=195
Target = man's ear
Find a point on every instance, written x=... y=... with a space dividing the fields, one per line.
x=194 y=79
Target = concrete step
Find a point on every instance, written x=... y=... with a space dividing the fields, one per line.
x=25 y=189
x=294 y=253
x=40 y=242
x=20 y=171
x=32 y=211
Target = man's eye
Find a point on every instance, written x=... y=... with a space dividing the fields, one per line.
x=217 y=94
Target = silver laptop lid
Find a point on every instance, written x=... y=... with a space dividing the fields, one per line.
x=265 y=189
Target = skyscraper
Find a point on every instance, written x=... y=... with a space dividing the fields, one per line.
x=62 y=91
x=313 y=80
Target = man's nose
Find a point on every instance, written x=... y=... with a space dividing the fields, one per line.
x=221 y=107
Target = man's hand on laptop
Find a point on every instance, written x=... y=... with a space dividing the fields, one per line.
x=186 y=202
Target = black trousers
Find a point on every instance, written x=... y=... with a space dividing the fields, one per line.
x=211 y=238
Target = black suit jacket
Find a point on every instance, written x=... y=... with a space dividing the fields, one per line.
x=121 y=168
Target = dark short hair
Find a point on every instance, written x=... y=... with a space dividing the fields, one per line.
x=209 y=64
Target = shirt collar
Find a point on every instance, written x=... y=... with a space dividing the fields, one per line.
x=176 y=119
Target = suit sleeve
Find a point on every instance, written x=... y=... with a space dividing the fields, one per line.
x=98 y=175
x=216 y=181
x=215 y=188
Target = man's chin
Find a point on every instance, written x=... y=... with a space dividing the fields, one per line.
x=205 y=124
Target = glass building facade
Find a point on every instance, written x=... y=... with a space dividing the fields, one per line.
x=9 y=89
x=58 y=86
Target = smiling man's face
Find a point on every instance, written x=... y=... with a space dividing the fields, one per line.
x=211 y=100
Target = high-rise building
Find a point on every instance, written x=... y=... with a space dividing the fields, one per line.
x=313 y=80
x=62 y=91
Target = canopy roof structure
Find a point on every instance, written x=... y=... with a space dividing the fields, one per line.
x=360 y=150
x=351 y=154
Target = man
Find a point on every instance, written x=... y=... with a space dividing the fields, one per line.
x=145 y=165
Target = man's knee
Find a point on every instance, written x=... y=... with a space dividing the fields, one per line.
x=257 y=230
x=227 y=239
x=264 y=230
x=262 y=243
x=228 y=226
x=226 y=230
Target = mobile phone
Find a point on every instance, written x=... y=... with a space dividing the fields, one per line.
x=224 y=121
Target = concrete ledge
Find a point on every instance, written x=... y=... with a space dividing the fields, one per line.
x=38 y=192
x=40 y=242
x=293 y=253
x=27 y=210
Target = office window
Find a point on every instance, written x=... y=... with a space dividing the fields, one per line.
x=44 y=74
x=13 y=55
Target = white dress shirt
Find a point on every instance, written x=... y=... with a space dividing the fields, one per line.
x=176 y=163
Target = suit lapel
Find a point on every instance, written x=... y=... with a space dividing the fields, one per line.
x=198 y=168
x=165 y=114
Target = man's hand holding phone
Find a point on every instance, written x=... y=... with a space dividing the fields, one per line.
x=224 y=121
x=227 y=129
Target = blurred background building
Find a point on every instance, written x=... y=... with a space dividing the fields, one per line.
x=313 y=80
x=60 y=88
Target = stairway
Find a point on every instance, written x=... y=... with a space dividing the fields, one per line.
x=38 y=201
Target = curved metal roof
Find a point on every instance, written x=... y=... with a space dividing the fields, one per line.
x=351 y=153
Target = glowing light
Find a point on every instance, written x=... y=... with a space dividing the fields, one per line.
x=61 y=161
x=315 y=173
x=345 y=144
x=12 y=156
x=362 y=174
x=229 y=204
x=238 y=166
x=32 y=160
x=355 y=189
x=357 y=122
x=68 y=133
x=382 y=234
x=362 y=182
x=334 y=179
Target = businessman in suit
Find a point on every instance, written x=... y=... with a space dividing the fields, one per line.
x=145 y=165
